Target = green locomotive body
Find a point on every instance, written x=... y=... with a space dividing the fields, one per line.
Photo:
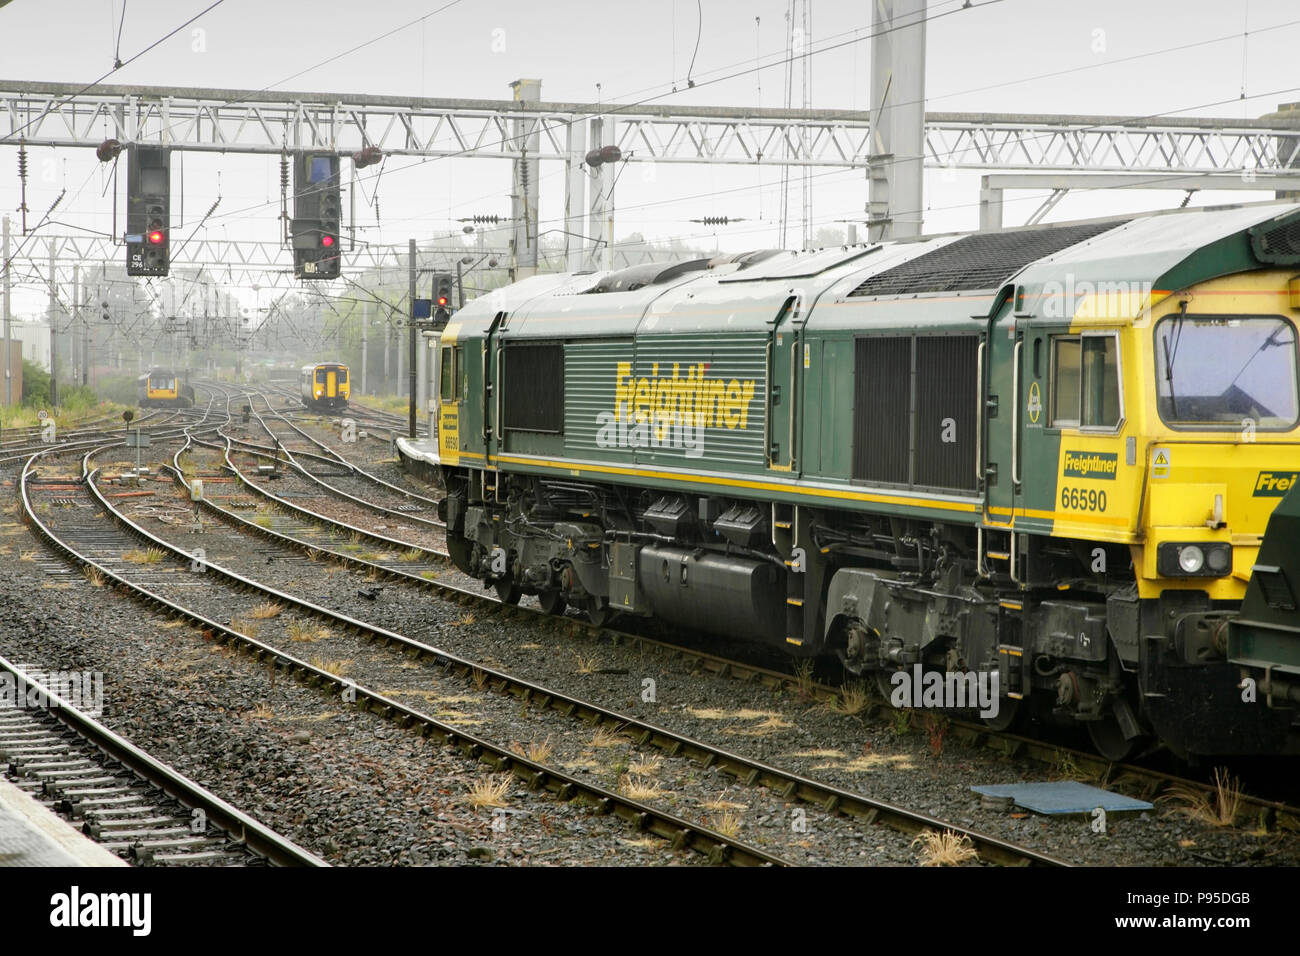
x=964 y=453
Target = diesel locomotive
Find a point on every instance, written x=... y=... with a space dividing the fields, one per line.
x=1045 y=457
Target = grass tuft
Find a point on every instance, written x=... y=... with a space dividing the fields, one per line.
x=852 y=699
x=727 y=823
x=1218 y=808
x=305 y=632
x=638 y=788
x=266 y=611
x=944 y=849
x=489 y=791
x=608 y=735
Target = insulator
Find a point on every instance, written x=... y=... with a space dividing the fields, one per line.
x=284 y=171
x=22 y=163
x=487 y=219
x=367 y=156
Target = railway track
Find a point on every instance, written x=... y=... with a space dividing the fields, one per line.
x=130 y=803
x=1147 y=782
x=745 y=770
x=90 y=545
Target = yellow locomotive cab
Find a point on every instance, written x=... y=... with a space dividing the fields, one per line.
x=325 y=385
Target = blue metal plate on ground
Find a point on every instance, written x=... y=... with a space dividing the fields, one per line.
x=1063 y=796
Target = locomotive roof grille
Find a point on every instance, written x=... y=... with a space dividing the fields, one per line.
x=979 y=261
x=1279 y=245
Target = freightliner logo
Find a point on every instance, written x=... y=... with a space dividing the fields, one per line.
x=1091 y=464
x=1275 y=484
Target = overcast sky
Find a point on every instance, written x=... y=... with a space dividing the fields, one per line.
x=988 y=59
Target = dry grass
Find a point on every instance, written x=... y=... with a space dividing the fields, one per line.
x=262 y=521
x=266 y=611
x=944 y=849
x=638 y=788
x=410 y=555
x=465 y=621
x=261 y=712
x=539 y=751
x=727 y=823
x=304 y=632
x=478 y=676
x=245 y=627
x=28 y=555
x=645 y=766
x=608 y=735
x=150 y=556
x=1218 y=808
x=338 y=668
x=586 y=665
x=489 y=791
x=852 y=699
x=720 y=804
x=95 y=576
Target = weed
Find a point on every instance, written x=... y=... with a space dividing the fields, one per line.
x=852 y=699
x=608 y=735
x=645 y=766
x=304 y=632
x=489 y=791
x=901 y=721
x=266 y=611
x=804 y=687
x=727 y=823
x=639 y=789
x=936 y=728
x=1219 y=808
x=944 y=849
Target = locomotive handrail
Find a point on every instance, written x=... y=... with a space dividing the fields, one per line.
x=979 y=414
x=1015 y=420
x=768 y=406
x=794 y=367
x=500 y=428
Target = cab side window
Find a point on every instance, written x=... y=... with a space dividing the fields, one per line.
x=449 y=374
x=1085 y=381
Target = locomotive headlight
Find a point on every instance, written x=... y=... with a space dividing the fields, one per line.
x=1202 y=559
x=1191 y=559
x=1219 y=560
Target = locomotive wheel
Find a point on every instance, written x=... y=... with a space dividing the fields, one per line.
x=598 y=611
x=1008 y=715
x=508 y=592
x=552 y=602
x=884 y=684
x=1110 y=741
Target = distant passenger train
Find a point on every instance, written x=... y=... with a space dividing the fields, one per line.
x=325 y=386
x=160 y=387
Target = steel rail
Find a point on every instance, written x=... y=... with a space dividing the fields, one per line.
x=682 y=833
x=747 y=770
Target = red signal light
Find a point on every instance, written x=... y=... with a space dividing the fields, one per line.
x=155 y=237
x=327 y=241
x=442 y=301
